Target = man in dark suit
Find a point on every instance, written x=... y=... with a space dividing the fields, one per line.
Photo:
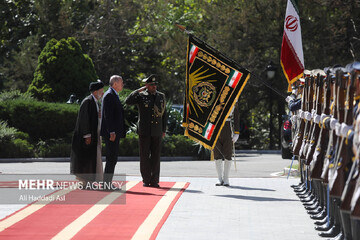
x=86 y=144
x=112 y=126
x=151 y=128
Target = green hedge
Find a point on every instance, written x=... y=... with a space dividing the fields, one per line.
x=41 y=120
x=174 y=145
x=14 y=143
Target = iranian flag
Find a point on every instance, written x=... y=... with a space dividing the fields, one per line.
x=292 y=57
x=234 y=78
x=208 y=131
x=193 y=51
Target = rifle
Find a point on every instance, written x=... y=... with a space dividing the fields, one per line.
x=306 y=118
x=318 y=158
x=315 y=126
x=355 y=199
x=299 y=132
x=337 y=181
x=332 y=136
x=350 y=184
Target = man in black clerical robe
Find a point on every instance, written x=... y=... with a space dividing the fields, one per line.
x=86 y=138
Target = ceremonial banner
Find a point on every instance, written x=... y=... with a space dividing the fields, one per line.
x=213 y=85
x=292 y=57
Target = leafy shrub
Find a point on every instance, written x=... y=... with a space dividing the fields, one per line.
x=62 y=70
x=129 y=146
x=174 y=145
x=53 y=148
x=15 y=94
x=13 y=143
x=177 y=145
x=174 y=122
x=41 y=120
x=130 y=111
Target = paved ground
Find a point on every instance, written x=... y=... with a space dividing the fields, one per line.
x=260 y=204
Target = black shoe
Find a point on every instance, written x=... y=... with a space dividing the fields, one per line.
x=300 y=189
x=319 y=216
x=314 y=206
x=155 y=185
x=297 y=186
x=332 y=232
x=304 y=195
x=321 y=222
x=219 y=184
x=308 y=199
x=311 y=205
x=146 y=184
x=314 y=211
x=340 y=236
x=324 y=228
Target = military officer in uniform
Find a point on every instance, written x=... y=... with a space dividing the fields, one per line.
x=151 y=128
x=223 y=150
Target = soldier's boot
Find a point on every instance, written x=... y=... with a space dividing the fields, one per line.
x=227 y=165
x=346 y=224
x=355 y=227
x=219 y=170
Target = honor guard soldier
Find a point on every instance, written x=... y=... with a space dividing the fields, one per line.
x=224 y=146
x=151 y=128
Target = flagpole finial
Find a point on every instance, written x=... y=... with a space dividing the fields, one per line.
x=182 y=28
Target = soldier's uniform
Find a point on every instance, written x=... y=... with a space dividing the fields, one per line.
x=224 y=146
x=151 y=127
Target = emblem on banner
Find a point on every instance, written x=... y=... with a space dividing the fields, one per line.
x=204 y=94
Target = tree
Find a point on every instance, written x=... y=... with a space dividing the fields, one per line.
x=62 y=70
x=19 y=70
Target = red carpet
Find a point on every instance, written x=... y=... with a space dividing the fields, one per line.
x=139 y=213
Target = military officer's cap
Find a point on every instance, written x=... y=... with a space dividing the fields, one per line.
x=96 y=85
x=151 y=79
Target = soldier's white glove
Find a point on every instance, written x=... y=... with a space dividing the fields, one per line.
x=308 y=116
x=313 y=112
x=345 y=129
x=317 y=118
x=294 y=118
x=235 y=137
x=289 y=98
x=300 y=114
x=337 y=129
x=322 y=117
x=333 y=122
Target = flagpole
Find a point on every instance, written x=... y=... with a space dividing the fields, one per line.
x=182 y=28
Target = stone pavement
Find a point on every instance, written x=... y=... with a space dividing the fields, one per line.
x=259 y=204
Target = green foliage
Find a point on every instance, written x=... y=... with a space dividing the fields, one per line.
x=174 y=145
x=19 y=69
x=40 y=119
x=15 y=94
x=129 y=146
x=53 y=148
x=130 y=111
x=174 y=120
x=177 y=145
x=13 y=143
x=62 y=70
